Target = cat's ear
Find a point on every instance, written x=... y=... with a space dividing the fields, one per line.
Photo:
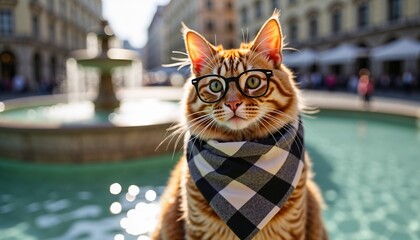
x=269 y=40
x=199 y=50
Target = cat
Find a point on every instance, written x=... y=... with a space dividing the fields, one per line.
x=237 y=97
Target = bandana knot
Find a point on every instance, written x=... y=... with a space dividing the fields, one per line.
x=247 y=183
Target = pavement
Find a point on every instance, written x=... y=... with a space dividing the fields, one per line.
x=352 y=102
x=385 y=102
x=392 y=102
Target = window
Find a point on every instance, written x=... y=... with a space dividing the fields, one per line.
x=209 y=4
x=6 y=22
x=51 y=5
x=35 y=26
x=394 y=10
x=258 y=9
x=229 y=5
x=336 y=21
x=64 y=35
x=231 y=44
x=293 y=31
x=313 y=26
x=63 y=7
x=51 y=29
x=229 y=26
x=363 y=15
x=244 y=16
x=209 y=26
x=275 y=4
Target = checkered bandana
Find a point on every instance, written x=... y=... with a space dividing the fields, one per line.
x=247 y=183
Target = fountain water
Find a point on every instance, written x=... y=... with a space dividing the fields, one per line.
x=57 y=129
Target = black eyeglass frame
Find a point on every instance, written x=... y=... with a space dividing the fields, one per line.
x=268 y=74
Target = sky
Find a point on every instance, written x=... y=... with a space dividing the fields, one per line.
x=129 y=19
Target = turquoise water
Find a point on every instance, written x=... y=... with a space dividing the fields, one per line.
x=367 y=165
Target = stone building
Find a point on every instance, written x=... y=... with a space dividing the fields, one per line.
x=342 y=36
x=214 y=19
x=153 y=49
x=36 y=37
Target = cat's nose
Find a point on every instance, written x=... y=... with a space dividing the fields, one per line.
x=233 y=105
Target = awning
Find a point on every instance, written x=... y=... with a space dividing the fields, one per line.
x=342 y=54
x=401 y=49
x=303 y=58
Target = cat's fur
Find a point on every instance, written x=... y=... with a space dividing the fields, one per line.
x=185 y=214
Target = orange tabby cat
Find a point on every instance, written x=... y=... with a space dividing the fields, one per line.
x=237 y=96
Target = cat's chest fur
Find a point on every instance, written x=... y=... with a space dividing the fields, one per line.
x=201 y=222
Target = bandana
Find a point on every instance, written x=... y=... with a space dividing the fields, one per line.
x=247 y=183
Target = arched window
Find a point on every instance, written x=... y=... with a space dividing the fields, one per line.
x=37 y=66
x=7 y=69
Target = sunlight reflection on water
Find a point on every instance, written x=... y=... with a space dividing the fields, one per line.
x=133 y=112
x=140 y=218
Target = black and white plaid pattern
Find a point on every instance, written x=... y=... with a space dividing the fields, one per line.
x=247 y=183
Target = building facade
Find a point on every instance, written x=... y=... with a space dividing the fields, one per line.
x=153 y=50
x=36 y=37
x=330 y=28
x=214 y=19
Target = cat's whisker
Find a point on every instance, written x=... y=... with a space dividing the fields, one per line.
x=211 y=121
x=173 y=128
x=185 y=130
x=269 y=123
x=179 y=129
x=179 y=52
x=263 y=124
x=197 y=112
x=289 y=128
x=283 y=114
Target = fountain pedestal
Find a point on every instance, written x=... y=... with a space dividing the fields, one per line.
x=106 y=99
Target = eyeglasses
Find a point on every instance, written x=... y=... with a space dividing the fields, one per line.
x=252 y=83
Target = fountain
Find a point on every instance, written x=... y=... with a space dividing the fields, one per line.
x=105 y=61
x=107 y=128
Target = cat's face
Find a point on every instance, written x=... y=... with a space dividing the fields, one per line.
x=239 y=94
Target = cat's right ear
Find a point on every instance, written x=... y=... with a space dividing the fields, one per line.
x=199 y=50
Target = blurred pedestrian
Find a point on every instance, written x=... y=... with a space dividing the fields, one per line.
x=18 y=84
x=316 y=79
x=352 y=83
x=365 y=87
x=407 y=81
x=331 y=81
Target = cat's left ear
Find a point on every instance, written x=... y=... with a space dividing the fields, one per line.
x=269 y=40
x=199 y=50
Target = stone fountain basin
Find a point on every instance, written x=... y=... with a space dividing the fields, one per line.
x=77 y=143
x=110 y=59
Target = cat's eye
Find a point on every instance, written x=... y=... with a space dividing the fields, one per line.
x=253 y=82
x=216 y=86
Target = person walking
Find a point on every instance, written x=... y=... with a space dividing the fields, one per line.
x=365 y=87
